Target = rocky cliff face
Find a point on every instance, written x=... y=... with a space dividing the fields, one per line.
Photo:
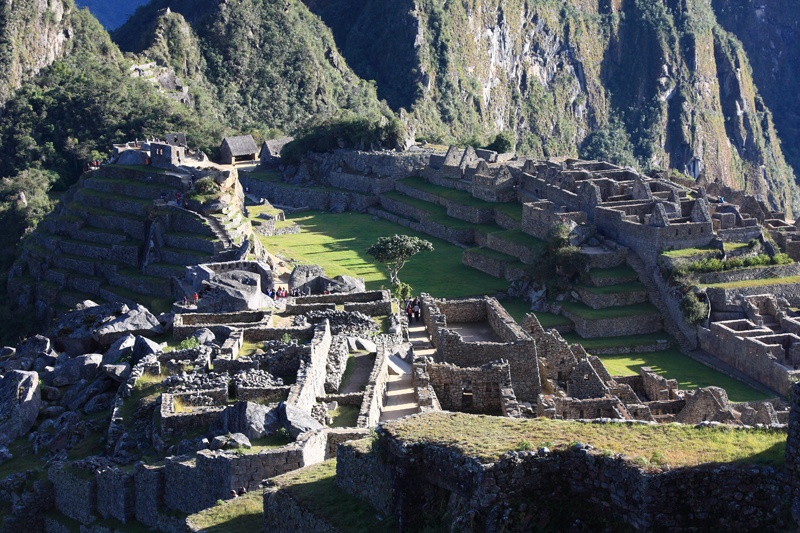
x=554 y=72
x=33 y=34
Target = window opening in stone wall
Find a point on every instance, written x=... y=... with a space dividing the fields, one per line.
x=466 y=395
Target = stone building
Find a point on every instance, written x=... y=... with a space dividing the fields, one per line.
x=237 y=150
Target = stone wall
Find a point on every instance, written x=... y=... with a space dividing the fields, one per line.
x=312 y=372
x=756 y=359
x=714 y=497
x=611 y=327
x=530 y=256
x=469 y=389
x=176 y=422
x=282 y=514
x=790 y=291
x=745 y=274
x=361 y=473
x=116 y=494
x=484 y=263
x=340 y=299
x=612 y=299
x=74 y=496
x=287 y=195
x=375 y=390
x=221 y=324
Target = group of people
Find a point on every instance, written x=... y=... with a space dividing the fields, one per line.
x=412 y=308
x=281 y=293
x=194 y=297
x=242 y=492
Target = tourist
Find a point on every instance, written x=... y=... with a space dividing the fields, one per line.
x=242 y=491
x=195 y=299
x=185 y=301
x=410 y=312
x=416 y=310
x=233 y=494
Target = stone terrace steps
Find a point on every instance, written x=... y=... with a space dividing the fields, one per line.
x=655 y=298
x=220 y=231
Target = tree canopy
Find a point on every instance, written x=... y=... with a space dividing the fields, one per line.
x=395 y=251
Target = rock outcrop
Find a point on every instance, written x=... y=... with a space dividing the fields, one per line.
x=20 y=400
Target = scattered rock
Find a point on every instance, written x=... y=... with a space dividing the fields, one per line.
x=119 y=373
x=136 y=321
x=142 y=348
x=122 y=347
x=296 y=421
x=20 y=400
x=54 y=411
x=251 y=419
x=100 y=386
x=219 y=442
x=51 y=393
x=74 y=370
x=238 y=440
x=204 y=336
x=101 y=402
x=366 y=344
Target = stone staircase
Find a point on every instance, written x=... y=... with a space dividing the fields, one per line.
x=655 y=298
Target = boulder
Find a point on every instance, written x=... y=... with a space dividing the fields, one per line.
x=101 y=402
x=166 y=320
x=51 y=393
x=252 y=419
x=7 y=351
x=136 y=321
x=219 y=442
x=25 y=363
x=237 y=440
x=74 y=332
x=20 y=400
x=54 y=411
x=142 y=348
x=119 y=373
x=74 y=370
x=73 y=392
x=45 y=360
x=67 y=432
x=296 y=421
x=204 y=336
x=121 y=348
x=366 y=344
x=100 y=386
x=34 y=346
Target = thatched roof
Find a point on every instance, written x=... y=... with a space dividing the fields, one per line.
x=274 y=147
x=241 y=145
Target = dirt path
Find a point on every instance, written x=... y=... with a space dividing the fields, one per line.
x=360 y=375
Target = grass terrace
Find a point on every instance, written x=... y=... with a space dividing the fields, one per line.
x=313 y=487
x=99 y=211
x=688 y=252
x=244 y=514
x=512 y=209
x=517 y=236
x=518 y=308
x=487 y=437
x=143 y=168
x=755 y=283
x=135 y=183
x=494 y=254
x=587 y=313
x=112 y=196
x=672 y=364
x=338 y=243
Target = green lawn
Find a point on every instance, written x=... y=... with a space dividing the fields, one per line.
x=688 y=252
x=344 y=416
x=338 y=243
x=755 y=283
x=671 y=363
x=619 y=311
x=518 y=308
x=239 y=515
x=488 y=437
x=494 y=254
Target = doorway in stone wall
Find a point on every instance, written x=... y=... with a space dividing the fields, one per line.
x=466 y=395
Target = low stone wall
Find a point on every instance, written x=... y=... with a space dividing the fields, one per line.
x=601 y=301
x=116 y=494
x=282 y=514
x=284 y=194
x=337 y=436
x=375 y=390
x=382 y=308
x=529 y=256
x=713 y=497
x=221 y=324
x=28 y=512
x=484 y=263
x=351 y=398
x=612 y=327
x=339 y=299
x=75 y=497
x=361 y=473
x=790 y=291
x=299 y=309
x=745 y=274
x=312 y=373
x=609 y=259
x=262 y=395
x=175 y=422
x=423 y=390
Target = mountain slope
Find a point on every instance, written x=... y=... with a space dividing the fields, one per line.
x=555 y=72
x=268 y=64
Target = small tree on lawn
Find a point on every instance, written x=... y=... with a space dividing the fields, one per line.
x=395 y=251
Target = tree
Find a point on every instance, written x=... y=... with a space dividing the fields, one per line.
x=395 y=251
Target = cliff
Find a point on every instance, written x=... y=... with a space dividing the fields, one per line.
x=555 y=72
x=33 y=34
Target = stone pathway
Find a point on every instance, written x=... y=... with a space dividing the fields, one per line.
x=400 y=398
x=360 y=374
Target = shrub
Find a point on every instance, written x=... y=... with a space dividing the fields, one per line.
x=286 y=338
x=503 y=143
x=206 y=186
x=524 y=445
x=402 y=291
x=694 y=311
x=191 y=342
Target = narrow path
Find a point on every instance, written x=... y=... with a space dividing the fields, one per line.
x=420 y=342
x=360 y=374
x=400 y=398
